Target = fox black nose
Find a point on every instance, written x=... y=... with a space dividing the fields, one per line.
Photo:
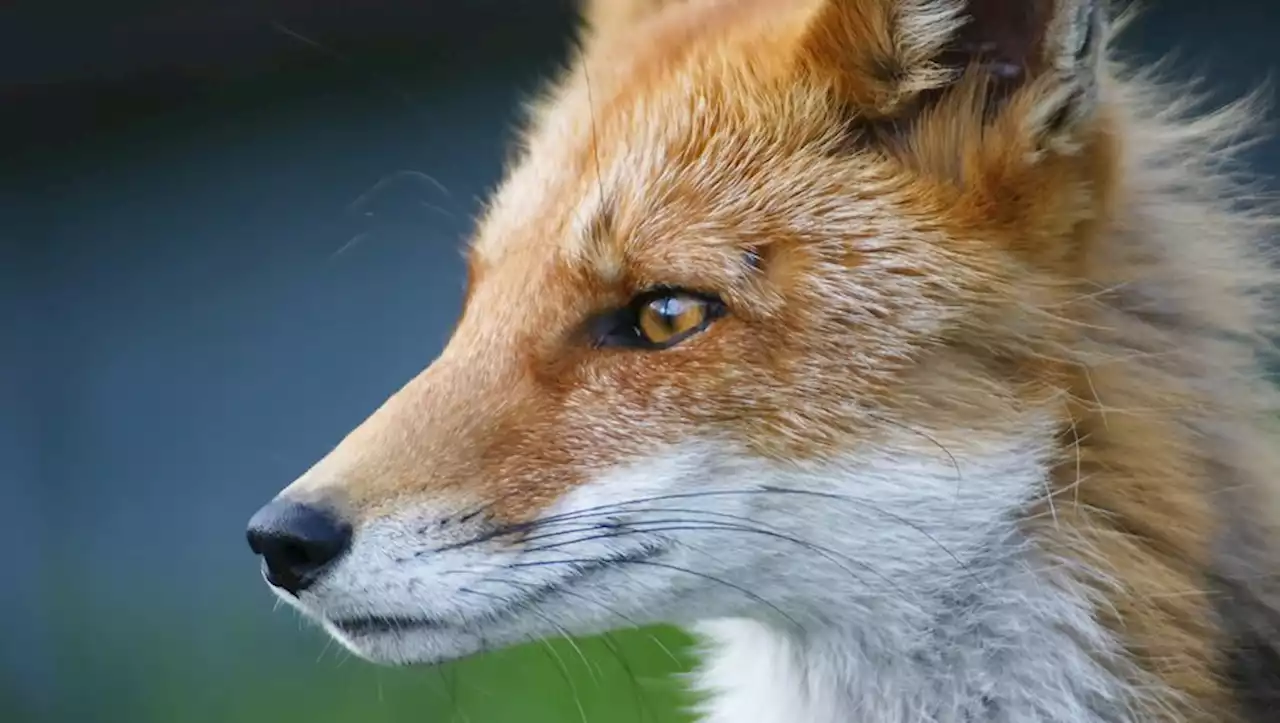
x=296 y=541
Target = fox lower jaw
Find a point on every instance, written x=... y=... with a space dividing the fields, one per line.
x=490 y=612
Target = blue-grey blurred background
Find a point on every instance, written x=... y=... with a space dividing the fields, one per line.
x=228 y=229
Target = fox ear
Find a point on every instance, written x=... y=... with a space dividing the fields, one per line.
x=893 y=56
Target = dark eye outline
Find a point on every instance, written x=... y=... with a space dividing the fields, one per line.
x=620 y=328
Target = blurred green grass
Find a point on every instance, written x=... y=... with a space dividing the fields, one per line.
x=241 y=665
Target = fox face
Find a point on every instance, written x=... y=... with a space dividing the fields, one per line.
x=772 y=319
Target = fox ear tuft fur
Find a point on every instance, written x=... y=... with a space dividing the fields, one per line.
x=897 y=57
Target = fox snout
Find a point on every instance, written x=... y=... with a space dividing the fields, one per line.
x=462 y=435
x=399 y=455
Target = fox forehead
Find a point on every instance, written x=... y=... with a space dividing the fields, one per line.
x=680 y=138
x=708 y=132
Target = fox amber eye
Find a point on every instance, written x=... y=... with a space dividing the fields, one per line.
x=656 y=319
x=666 y=320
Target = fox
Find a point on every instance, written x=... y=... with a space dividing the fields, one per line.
x=912 y=354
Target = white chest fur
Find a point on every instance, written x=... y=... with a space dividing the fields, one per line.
x=1022 y=648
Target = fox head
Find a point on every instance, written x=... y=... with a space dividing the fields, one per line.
x=777 y=312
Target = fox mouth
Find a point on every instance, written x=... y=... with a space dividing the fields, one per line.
x=373 y=625
x=383 y=624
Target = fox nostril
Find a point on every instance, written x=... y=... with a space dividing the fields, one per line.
x=296 y=541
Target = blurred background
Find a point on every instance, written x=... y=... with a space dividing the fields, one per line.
x=228 y=230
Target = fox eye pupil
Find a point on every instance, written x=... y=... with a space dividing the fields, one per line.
x=657 y=320
x=663 y=319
